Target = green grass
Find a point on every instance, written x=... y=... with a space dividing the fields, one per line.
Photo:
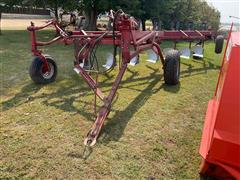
x=153 y=131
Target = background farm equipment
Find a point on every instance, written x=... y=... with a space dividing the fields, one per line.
x=127 y=42
x=220 y=145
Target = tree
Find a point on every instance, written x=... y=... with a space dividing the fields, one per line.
x=196 y=11
x=166 y=9
x=209 y=15
x=92 y=8
x=149 y=9
x=55 y=5
x=152 y=9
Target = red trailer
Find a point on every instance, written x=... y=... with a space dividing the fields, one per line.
x=220 y=145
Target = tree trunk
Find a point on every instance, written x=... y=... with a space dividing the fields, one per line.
x=0 y=22
x=143 y=24
x=91 y=20
x=56 y=13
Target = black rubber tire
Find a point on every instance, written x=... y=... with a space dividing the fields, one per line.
x=219 y=44
x=172 y=67
x=35 y=71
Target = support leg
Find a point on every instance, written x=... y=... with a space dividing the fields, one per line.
x=91 y=138
x=159 y=52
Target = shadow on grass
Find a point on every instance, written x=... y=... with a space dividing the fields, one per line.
x=206 y=65
x=114 y=128
x=65 y=96
x=22 y=97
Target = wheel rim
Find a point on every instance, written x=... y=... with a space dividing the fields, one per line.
x=178 y=70
x=48 y=74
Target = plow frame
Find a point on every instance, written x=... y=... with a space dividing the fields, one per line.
x=126 y=34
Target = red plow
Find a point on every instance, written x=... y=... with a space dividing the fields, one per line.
x=128 y=41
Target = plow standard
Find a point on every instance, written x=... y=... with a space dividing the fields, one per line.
x=128 y=41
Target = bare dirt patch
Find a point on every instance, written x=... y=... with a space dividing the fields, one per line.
x=19 y=24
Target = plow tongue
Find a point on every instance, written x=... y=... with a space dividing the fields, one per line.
x=152 y=56
x=197 y=51
x=109 y=62
x=185 y=53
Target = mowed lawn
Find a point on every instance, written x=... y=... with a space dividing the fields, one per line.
x=152 y=132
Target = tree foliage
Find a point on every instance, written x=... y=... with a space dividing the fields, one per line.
x=168 y=12
x=92 y=8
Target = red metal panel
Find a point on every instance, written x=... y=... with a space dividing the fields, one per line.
x=208 y=128
x=230 y=112
x=220 y=145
